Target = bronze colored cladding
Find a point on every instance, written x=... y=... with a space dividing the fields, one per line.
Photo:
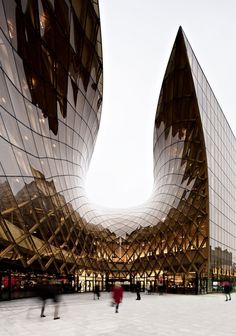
x=42 y=43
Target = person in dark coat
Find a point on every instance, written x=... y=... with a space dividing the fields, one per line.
x=117 y=295
x=96 y=292
x=138 y=290
x=227 y=290
x=47 y=291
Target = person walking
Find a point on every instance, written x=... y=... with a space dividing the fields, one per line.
x=117 y=295
x=47 y=291
x=96 y=292
x=227 y=290
x=138 y=290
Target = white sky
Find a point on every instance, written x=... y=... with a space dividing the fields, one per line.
x=137 y=37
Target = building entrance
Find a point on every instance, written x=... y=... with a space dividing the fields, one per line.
x=126 y=284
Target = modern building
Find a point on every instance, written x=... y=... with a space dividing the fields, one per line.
x=183 y=238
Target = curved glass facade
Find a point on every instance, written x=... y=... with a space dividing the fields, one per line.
x=50 y=108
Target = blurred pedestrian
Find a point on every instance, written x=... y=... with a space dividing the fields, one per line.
x=138 y=290
x=49 y=290
x=96 y=292
x=117 y=295
x=151 y=288
x=227 y=290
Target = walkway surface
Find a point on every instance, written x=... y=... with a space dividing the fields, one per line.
x=154 y=315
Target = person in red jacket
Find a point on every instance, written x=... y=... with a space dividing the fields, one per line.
x=117 y=295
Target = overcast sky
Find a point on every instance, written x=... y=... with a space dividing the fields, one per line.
x=137 y=37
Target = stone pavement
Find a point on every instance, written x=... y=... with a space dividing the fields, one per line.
x=172 y=315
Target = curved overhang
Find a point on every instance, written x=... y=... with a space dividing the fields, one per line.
x=179 y=155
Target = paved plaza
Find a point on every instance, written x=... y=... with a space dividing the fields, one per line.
x=154 y=315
